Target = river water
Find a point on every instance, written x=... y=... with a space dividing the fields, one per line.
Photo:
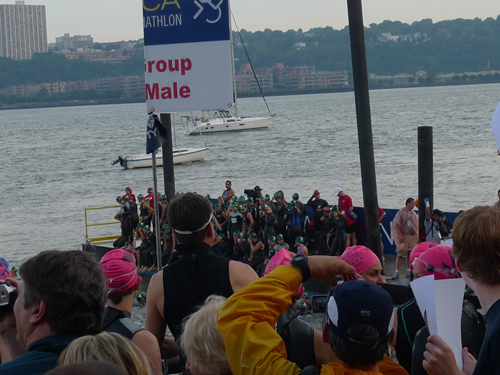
x=57 y=161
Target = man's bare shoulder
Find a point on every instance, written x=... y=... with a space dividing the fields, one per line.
x=240 y=275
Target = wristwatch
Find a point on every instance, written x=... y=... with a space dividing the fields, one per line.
x=301 y=262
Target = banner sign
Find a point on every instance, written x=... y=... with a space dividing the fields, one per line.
x=187 y=55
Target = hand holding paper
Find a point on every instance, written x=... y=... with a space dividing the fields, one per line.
x=440 y=302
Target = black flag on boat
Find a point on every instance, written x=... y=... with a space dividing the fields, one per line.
x=156 y=133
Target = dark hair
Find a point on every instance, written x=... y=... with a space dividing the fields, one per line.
x=229 y=182
x=408 y=201
x=476 y=243
x=116 y=297
x=189 y=212
x=72 y=286
x=363 y=347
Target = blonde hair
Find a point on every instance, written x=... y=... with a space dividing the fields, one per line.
x=201 y=340
x=109 y=347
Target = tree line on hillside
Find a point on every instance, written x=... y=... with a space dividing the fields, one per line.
x=457 y=46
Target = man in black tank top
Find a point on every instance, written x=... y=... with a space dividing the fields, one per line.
x=119 y=270
x=180 y=287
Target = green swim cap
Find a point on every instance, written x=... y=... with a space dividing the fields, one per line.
x=277 y=195
x=279 y=236
x=271 y=239
x=140 y=196
x=299 y=239
x=118 y=198
x=293 y=204
x=264 y=207
x=240 y=235
x=295 y=196
x=140 y=225
x=147 y=227
x=253 y=235
x=250 y=200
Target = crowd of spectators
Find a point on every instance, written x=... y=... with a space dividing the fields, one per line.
x=71 y=315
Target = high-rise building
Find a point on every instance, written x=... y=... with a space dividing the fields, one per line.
x=23 y=30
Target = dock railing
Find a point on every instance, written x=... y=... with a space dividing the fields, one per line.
x=97 y=224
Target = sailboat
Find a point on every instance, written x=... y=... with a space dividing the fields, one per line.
x=180 y=156
x=222 y=120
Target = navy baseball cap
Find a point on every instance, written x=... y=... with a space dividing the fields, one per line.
x=359 y=301
x=257 y=188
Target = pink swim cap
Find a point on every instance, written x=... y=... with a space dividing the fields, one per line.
x=360 y=257
x=118 y=267
x=419 y=250
x=437 y=261
x=282 y=258
x=4 y=269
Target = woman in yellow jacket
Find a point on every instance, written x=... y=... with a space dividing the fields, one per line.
x=248 y=318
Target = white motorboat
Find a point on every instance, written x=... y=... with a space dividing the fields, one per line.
x=181 y=155
x=223 y=121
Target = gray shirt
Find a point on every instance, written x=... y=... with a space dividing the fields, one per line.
x=432 y=231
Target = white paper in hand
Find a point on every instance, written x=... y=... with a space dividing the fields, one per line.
x=440 y=303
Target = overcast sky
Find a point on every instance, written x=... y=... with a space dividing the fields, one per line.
x=114 y=20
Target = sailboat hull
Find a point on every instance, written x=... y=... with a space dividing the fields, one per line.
x=185 y=155
x=226 y=124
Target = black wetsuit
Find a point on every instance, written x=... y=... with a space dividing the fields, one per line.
x=144 y=212
x=148 y=254
x=337 y=239
x=298 y=337
x=119 y=321
x=267 y=223
x=126 y=223
x=246 y=222
x=281 y=211
x=317 y=205
x=134 y=215
x=242 y=251
x=190 y=280
x=221 y=220
x=254 y=211
x=165 y=254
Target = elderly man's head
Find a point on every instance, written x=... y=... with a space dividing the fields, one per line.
x=202 y=342
x=61 y=292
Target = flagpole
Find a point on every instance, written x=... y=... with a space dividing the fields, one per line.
x=156 y=211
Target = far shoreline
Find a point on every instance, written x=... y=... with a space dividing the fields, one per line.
x=248 y=94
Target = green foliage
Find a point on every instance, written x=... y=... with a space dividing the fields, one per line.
x=456 y=77
x=448 y=46
x=465 y=77
x=421 y=79
x=52 y=67
x=411 y=79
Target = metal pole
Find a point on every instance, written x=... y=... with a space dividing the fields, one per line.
x=365 y=137
x=157 y=214
x=425 y=172
x=168 y=157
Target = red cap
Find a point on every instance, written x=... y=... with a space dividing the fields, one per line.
x=118 y=267
x=316 y=192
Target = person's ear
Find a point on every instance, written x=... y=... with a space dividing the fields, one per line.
x=458 y=266
x=38 y=311
x=326 y=331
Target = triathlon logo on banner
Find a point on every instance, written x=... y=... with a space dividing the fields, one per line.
x=187 y=55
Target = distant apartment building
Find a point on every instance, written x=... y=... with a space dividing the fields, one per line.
x=74 y=43
x=245 y=79
x=300 y=77
x=130 y=85
x=23 y=30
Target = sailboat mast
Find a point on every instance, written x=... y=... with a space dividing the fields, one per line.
x=233 y=73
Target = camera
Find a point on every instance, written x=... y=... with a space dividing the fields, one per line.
x=8 y=295
x=252 y=193
x=319 y=303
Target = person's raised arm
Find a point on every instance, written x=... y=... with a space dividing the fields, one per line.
x=427 y=209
